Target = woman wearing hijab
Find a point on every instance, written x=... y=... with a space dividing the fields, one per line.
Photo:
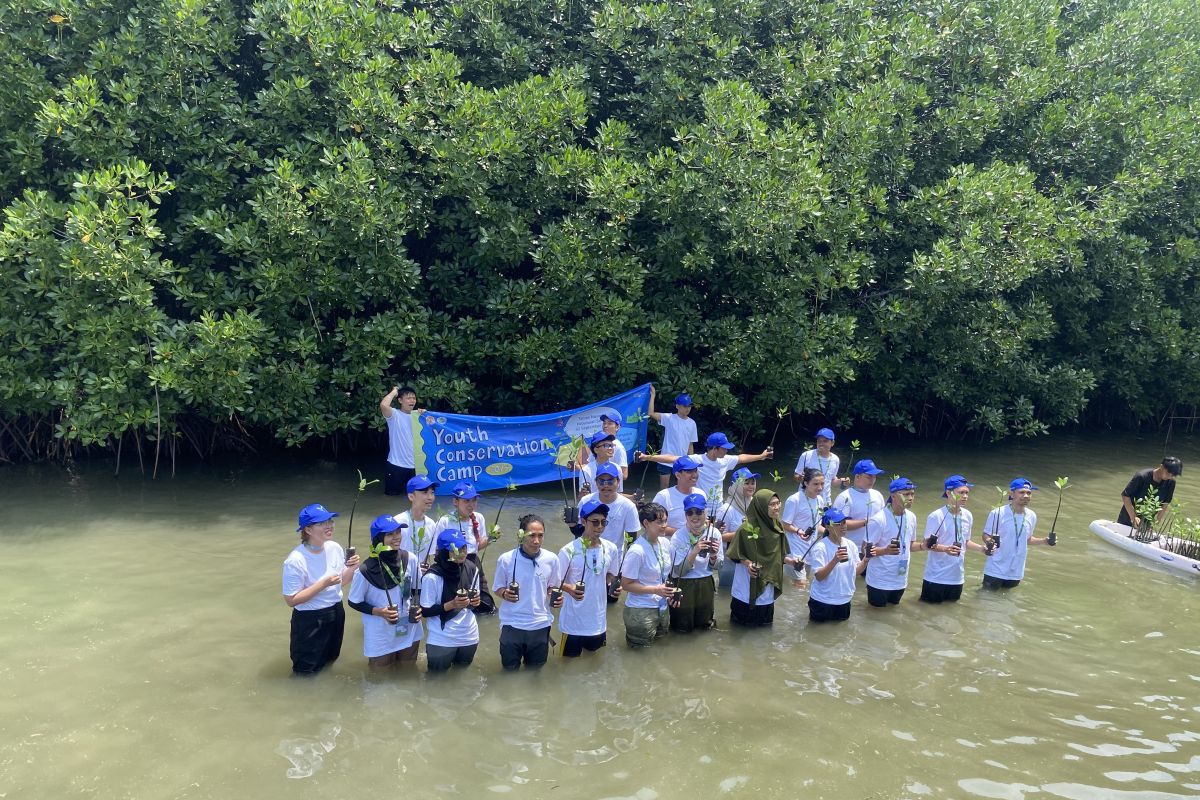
x=758 y=549
x=448 y=593
x=382 y=592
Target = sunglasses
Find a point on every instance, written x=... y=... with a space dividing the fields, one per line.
x=597 y=522
x=694 y=512
x=605 y=481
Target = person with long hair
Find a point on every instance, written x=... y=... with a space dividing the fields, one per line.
x=802 y=520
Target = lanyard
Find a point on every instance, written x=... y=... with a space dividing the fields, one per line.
x=1020 y=529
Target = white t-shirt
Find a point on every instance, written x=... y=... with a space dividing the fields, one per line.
x=622 y=519
x=588 y=471
x=303 y=568
x=589 y=616
x=740 y=588
x=420 y=533
x=535 y=576
x=812 y=459
x=858 y=505
x=678 y=433
x=732 y=515
x=711 y=477
x=400 y=439
x=461 y=630
x=1007 y=561
x=944 y=568
x=838 y=587
x=620 y=454
x=681 y=545
x=648 y=565
x=379 y=636
x=891 y=572
x=803 y=512
x=464 y=527
x=672 y=500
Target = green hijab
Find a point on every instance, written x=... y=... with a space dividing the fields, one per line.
x=760 y=538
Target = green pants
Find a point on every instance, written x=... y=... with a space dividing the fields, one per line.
x=644 y=625
x=696 y=606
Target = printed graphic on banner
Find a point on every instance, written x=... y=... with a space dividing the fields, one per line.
x=493 y=452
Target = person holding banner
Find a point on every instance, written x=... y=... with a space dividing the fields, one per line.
x=419 y=533
x=401 y=459
x=679 y=432
x=686 y=470
x=473 y=527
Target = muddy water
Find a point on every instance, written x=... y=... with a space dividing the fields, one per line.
x=143 y=654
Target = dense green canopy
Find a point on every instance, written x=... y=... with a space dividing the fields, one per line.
x=224 y=215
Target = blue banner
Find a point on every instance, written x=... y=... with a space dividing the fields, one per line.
x=493 y=452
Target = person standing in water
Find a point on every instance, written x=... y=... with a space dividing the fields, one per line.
x=528 y=583
x=860 y=502
x=758 y=550
x=401 y=459
x=383 y=591
x=825 y=461
x=1161 y=479
x=449 y=592
x=644 y=575
x=948 y=537
x=696 y=550
x=313 y=575
x=419 y=533
x=835 y=562
x=679 y=432
x=1008 y=535
x=587 y=566
x=892 y=536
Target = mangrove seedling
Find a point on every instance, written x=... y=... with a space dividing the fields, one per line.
x=363 y=483
x=780 y=413
x=1062 y=484
x=494 y=532
x=1147 y=510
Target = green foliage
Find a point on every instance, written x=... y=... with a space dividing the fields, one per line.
x=250 y=218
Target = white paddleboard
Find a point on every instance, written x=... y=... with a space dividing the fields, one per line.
x=1116 y=534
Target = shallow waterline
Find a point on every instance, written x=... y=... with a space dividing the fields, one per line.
x=161 y=670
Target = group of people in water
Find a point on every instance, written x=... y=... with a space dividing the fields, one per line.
x=424 y=579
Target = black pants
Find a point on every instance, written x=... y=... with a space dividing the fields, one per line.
x=940 y=592
x=751 y=616
x=395 y=479
x=316 y=638
x=824 y=612
x=517 y=645
x=438 y=657
x=999 y=583
x=573 y=645
x=879 y=598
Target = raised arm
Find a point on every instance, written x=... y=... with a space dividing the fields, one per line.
x=385 y=405
x=654 y=415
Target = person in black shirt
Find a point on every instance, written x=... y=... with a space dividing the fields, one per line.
x=1162 y=478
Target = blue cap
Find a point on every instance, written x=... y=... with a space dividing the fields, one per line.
x=684 y=463
x=419 y=483
x=1021 y=483
x=610 y=469
x=867 y=467
x=464 y=490
x=598 y=437
x=684 y=399
x=383 y=525
x=826 y=433
x=609 y=418
x=451 y=538
x=955 y=482
x=718 y=439
x=695 y=501
x=832 y=515
x=314 y=513
x=744 y=474
x=592 y=507
x=900 y=485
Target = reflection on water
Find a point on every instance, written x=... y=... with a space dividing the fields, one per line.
x=145 y=655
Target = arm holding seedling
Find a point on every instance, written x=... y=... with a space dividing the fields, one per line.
x=661 y=458
x=747 y=458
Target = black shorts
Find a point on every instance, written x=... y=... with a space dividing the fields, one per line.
x=316 y=638
x=517 y=645
x=824 y=612
x=663 y=469
x=573 y=644
x=999 y=583
x=940 y=592
x=879 y=598
x=395 y=479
